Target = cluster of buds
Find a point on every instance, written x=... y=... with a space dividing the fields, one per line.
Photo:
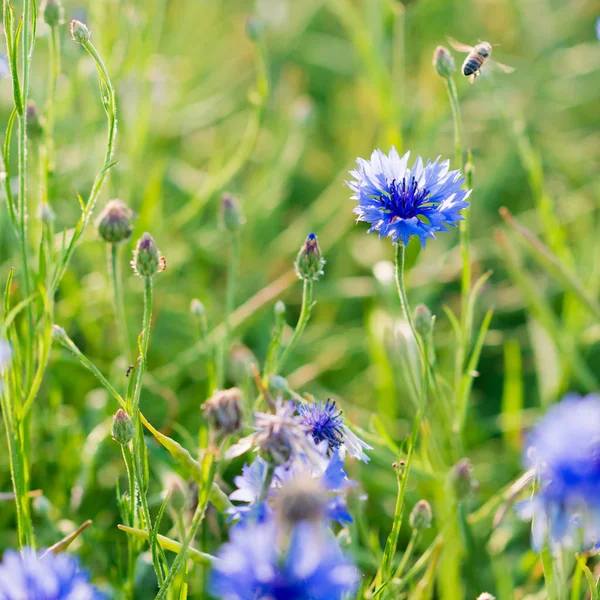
x=310 y=262
x=147 y=260
x=443 y=63
x=114 y=222
x=224 y=411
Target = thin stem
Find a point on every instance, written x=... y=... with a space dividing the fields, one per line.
x=414 y=536
x=128 y=459
x=266 y=484
x=307 y=302
x=53 y=73
x=121 y=319
x=229 y=304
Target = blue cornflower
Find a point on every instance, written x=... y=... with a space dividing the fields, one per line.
x=564 y=450
x=399 y=202
x=253 y=565
x=325 y=424
x=30 y=575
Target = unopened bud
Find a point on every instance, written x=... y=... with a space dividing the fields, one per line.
x=114 y=222
x=46 y=214
x=231 y=215
x=240 y=364
x=277 y=383
x=309 y=263
x=53 y=13
x=279 y=309
x=423 y=320
x=147 y=260
x=224 y=411
x=122 y=428
x=254 y=28
x=35 y=122
x=79 y=32
x=443 y=62
x=462 y=478
x=178 y=499
x=486 y=596
x=197 y=308
x=421 y=516
x=59 y=334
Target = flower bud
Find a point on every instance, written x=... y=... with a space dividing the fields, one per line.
x=254 y=28
x=224 y=411
x=59 y=334
x=53 y=13
x=443 y=63
x=178 y=498
x=197 y=308
x=278 y=384
x=147 y=260
x=35 y=122
x=423 y=320
x=46 y=214
x=231 y=215
x=421 y=516
x=462 y=478
x=300 y=499
x=309 y=263
x=114 y=222
x=79 y=32
x=486 y=596
x=279 y=309
x=122 y=427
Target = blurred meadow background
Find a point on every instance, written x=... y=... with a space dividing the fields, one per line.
x=278 y=121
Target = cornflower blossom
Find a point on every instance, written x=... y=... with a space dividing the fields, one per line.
x=399 y=202
x=564 y=451
x=44 y=577
x=326 y=426
x=333 y=484
x=255 y=564
x=279 y=437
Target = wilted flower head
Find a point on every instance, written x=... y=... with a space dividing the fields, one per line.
x=564 y=449
x=325 y=423
x=399 y=202
x=253 y=565
x=443 y=63
x=278 y=437
x=224 y=411
x=310 y=262
x=44 y=577
x=147 y=260
x=114 y=222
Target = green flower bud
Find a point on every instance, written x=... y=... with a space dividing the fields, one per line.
x=59 y=334
x=462 y=479
x=197 y=308
x=231 y=215
x=147 y=260
x=122 y=428
x=114 y=222
x=53 y=13
x=254 y=28
x=277 y=384
x=46 y=214
x=421 y=516
x=178 y=498
x=486 y=596
x=423 y=320
x=35 y=122
x=79 y=32
x=240 y=362
x=443 y=63
x=224 y=411
x=309 y=263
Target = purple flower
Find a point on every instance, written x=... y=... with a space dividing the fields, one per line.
x=325 y=424
x=253 y=565
x=38 y=576
x=399 y=202
x=564 y=450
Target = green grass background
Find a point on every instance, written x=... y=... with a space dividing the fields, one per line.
x=346 y=77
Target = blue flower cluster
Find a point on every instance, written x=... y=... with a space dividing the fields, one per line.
x=564 y=451
x=282 y=545
x=400 y=202
x=39 y=576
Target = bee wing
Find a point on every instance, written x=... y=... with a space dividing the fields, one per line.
x=460 y=47
x=502 y=67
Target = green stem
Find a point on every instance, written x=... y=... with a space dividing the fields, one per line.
x=414 y=536
x=266 y=484
x=110 y=106
x=121 y=319
x=307 y=302
x=128 y=459
x=229 y=303
x=53 y=73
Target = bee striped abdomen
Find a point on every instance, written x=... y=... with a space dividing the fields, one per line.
x=471 y=65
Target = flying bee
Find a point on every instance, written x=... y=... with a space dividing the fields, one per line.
x=478 y=56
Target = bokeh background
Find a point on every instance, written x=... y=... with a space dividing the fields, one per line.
x=345 y=76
